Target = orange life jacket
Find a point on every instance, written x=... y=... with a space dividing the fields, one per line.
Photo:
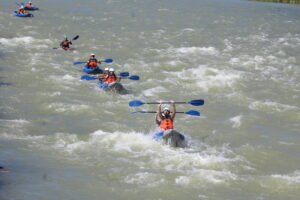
x=92 y=63
x=29 y=5
x=166 y=124
x=21 y=11
x=111 y=79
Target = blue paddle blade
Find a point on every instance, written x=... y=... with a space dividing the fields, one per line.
x=124 y=74
x=135 y=103
x=193 y=112
x=87 y=77
x=78 y=63
x=198 y=102
x=135 y=78
x=109 y=60
x=76 y=37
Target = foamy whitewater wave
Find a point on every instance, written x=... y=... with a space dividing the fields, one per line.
x=293 y=178
x=63 y=107
x=236 y=121
x=193 y=51
x=27 y=41
x=193 y=166
x=208 y=78
x=270 y=106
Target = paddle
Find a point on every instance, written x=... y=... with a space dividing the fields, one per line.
x=88 y=78
x=75 y=38
x=133 y=77
x=20 y=4
x=198 y=102
x=124 y=74
x=190 y=112
x=109 y=60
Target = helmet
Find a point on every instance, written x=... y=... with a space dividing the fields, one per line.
x=92 y=54
x=166 y=109
x=106 y=69
x=111 y=70
x=22 y=6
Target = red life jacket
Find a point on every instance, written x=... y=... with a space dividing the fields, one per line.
x=111 y=79
x=166 y=124
x=21 y=11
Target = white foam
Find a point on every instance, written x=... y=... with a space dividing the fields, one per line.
x=270 y=106
x=201 y=176
x=63 y=107
x=293 y=178
x=145 y=178
x=195 y=51
x=236 y=121
x=26 y=41
x=153 y=91
x=209 y=78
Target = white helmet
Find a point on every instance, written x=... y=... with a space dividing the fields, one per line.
x=106 y=69
x=22 y=6
x=166 y=109
x=111 y=70
x=92 y=54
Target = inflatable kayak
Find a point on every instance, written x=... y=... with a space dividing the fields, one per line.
x=32 y=8
x=114 y=87
x=171 y=137
x=96 y=70
x=23 y=15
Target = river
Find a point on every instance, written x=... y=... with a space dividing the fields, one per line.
x=65 y=138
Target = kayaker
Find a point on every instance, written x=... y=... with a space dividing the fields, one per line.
x=65 y=44
x=29 y=5
x=164 y=119
x=111 y=77
x=92 y=62
x=105 y=74
x=21 y=10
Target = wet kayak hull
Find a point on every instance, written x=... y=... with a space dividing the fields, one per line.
x=171 y=137
x=96 y=70
x=116 y=87
x=22 y=15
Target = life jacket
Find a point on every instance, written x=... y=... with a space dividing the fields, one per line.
x=21 y=11
x=65 y=43
x=166 y=124
x=92 y=63
x=29 y=5
x=111 y=79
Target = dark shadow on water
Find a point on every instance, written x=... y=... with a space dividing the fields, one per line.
x=280 y=1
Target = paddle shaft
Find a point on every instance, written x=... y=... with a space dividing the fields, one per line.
x=166 y=102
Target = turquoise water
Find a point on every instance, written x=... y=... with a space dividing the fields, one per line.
x=64 y=138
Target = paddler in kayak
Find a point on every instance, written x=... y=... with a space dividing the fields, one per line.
x=29 y=5
x=164 y=119
x=21 y=10
x=65 y=44
x=92 y=62
x=105 y=75
x=110 y=77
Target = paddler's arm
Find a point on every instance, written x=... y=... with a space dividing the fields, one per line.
x=156 y=120
x=174 y=110
x=159 y=110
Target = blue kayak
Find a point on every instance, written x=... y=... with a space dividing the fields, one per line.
x=172 y=138
x=114 y=87
x=96 y=70
x=33 y=8
x=23 y=15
